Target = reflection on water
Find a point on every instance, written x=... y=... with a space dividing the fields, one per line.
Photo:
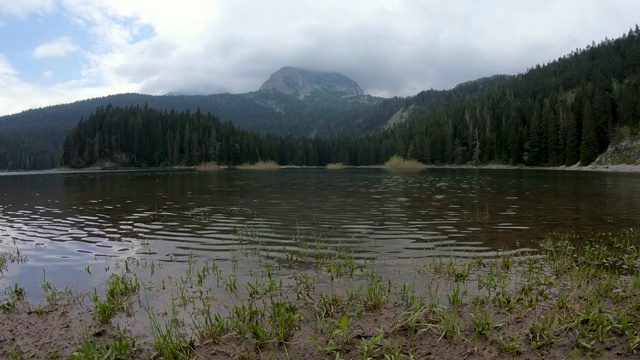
x=74 y=219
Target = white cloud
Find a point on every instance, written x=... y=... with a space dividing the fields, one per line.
x=59 y=48
x=7 y=73
x=184 y=20
x=22 y=8
x=119 y=22
x=390 y=48
x=17 y=95
x=47 y=74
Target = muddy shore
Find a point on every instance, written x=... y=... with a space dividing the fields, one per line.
x=576 y=298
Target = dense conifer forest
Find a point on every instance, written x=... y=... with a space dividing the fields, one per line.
x=562 y=113
x=565 y=112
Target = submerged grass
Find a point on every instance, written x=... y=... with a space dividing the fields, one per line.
x=577 y=298
x=9 y=257
x=120 y=347
x=13 y=295
x=119 y=289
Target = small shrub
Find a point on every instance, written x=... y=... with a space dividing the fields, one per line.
x=260 y=165
x=335 y=166
x=398 y=163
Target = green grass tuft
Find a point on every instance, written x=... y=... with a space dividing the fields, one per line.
x=398 y=163
x=335 y=166
x=260 y=165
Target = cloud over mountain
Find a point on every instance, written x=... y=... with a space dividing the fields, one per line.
x=390 y=48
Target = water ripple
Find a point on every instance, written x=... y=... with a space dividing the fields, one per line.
x=419 y=215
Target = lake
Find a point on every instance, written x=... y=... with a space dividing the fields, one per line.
x=71 y=223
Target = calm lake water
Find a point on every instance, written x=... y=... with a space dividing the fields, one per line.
x=64 y=222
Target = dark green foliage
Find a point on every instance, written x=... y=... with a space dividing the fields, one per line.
x=553 y=132
x=534 y=146
x=566 y=111
x=42 y=131
x=28 y=150
x=589 y=143
x=602 y=118
x=147 y=137
x=536 y=117
x=573 y=141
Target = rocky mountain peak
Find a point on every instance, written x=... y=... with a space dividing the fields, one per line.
x=301 y=83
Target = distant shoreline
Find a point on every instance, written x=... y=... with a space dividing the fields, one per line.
x=621 y=168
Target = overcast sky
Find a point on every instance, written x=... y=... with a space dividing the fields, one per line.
x=58 y=51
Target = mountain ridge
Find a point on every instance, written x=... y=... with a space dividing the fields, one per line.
x=33 y=138
x=302 y=83
x=568 y=110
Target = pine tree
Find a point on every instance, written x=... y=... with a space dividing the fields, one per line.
x=533 y=146
x=552 y=134
x=476 y=148
x=176 y=150
x=602 y=118
x=572 y=153
x=589 y=143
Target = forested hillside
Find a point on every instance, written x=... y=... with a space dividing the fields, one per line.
x=136 y=136
x=564 y=112
x=34 y=138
